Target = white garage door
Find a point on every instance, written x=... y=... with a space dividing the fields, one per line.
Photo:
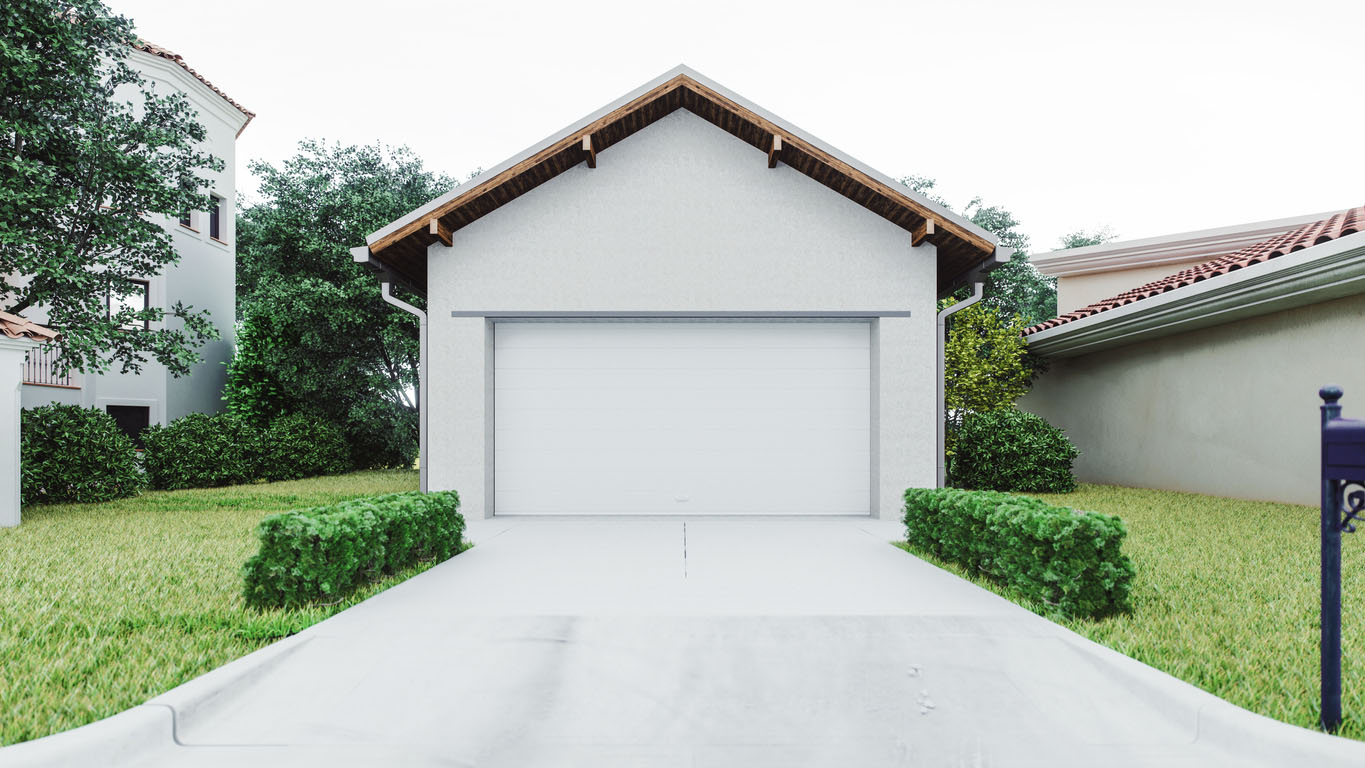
x=706 y=418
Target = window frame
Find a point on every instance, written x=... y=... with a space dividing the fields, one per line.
x=215 y=214
x=146 y=304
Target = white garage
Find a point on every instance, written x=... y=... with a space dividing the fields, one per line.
x=671 y=417
x=680 y=305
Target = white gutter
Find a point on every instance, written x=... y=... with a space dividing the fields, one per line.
x=941 y=337
x=421 y=379
x=1319 y=273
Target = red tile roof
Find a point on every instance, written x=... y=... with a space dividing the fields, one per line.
x=1347 y=222
x=16 y=327
x=156 y=50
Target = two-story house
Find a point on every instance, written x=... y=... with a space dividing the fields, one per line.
x=205 y=278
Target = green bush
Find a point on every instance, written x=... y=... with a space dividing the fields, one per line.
x=1072 y=561
x=201 y=451
x=69 y=453
x=323 y=552
x=1010 y=450
x=299 y=445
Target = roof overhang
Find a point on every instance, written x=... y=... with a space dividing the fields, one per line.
x=1179 y=248
x=1323 y=272
x=401 y=247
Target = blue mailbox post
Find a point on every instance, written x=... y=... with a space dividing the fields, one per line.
x=1343 y=502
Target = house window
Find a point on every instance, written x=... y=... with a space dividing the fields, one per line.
x=137 y=300
x=187 y=220
x=216 y=218
x=131 y=420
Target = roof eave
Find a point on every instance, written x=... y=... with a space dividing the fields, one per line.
x=1319 y=273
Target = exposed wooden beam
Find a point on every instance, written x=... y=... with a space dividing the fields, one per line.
x=439 y=231
x=922 y=231
x=775 y=152
x=589 y=154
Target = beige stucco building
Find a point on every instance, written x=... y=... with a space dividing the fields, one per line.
x=1205 y=378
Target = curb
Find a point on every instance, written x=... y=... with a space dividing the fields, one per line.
x=131 y=736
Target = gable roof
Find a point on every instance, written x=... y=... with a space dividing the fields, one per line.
x=1337 y=225
x=400 y=248
x=169 y=55
x=16 y=327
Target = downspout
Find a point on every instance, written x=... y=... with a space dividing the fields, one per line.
x=422 y=379
x=941 y=336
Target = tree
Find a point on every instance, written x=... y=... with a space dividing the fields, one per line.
x=316 y=336
x=1081 y=238
x=93 y=162
x=984 y=365
x=1015 y=287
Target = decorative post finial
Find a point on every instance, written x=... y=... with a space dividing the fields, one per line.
x=1330 y=394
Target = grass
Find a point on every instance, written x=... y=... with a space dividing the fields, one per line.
x=103 y=606
x=1226 y=598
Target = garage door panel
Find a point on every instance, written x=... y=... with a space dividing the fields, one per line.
x=681 y=378
x=529 y=422
x=664 y=358
x=732 y=418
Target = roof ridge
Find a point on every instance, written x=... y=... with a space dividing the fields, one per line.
x=1340 y=224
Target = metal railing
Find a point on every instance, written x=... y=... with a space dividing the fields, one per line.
x=41 y=369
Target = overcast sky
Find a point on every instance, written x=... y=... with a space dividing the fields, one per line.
x=1148 y=117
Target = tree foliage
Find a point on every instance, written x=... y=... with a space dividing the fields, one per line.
x=316 y=336
x=985 y=366
x=1016 y=287
x=93 y=163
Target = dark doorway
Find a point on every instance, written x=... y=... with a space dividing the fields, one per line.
x=132 y=419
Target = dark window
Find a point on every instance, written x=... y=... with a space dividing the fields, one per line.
x=185 y=220
x=132 y=419
x=215 y=218
x=137 y=301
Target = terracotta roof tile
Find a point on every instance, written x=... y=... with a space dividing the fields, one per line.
x=16 y=327
x=1347 y=222
x=165 y=53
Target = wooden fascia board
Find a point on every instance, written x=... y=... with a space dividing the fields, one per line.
x=843 y=168
x=574 y=142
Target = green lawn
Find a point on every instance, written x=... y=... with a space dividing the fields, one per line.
x=1226 y=598
x=103 y=606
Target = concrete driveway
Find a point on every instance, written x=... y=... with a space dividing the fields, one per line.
x=705 y=642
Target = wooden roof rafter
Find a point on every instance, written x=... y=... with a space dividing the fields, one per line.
x=401 y=247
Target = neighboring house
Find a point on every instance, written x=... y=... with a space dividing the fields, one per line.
x=680 y=304
x=1206 y=379
x=205 y=278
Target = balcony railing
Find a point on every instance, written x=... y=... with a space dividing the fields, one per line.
x=41 y=369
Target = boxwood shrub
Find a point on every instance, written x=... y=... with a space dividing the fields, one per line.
x=322 y=553
x=1071 y=561
x=69 y=453
x=299 y=445
x=201 y=451
x=1010 y=450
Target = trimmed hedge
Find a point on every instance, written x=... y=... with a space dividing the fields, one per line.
x=324 y=552
x=1069 y=560
x=69 y=453
x=299 y=445
x=201 y=451
x=1011 y=450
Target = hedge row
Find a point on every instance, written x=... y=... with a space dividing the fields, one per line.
x=1069 y=560
x=70 y=453
x=324 y=552
x=202 y=451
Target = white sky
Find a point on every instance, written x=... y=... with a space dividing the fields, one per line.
x=1150 y=117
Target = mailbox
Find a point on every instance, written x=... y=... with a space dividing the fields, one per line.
x=1343 y=502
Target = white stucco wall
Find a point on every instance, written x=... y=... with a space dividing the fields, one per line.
x=1076 y=291
x=1230 y=410
x=205 y=277
x=680 y=217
